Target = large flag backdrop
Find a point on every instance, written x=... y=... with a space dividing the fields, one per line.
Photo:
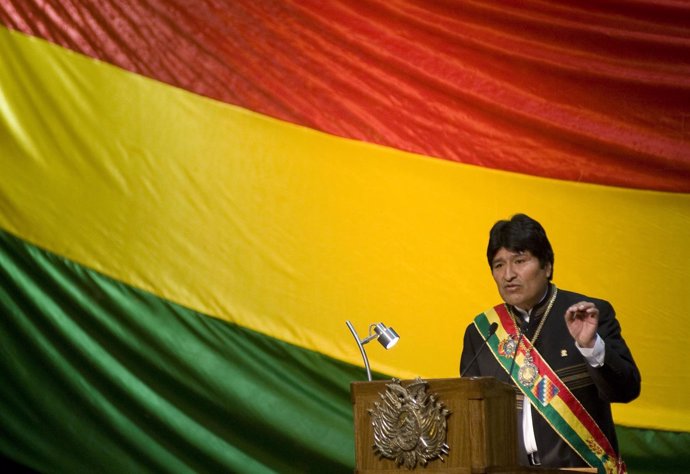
x=195 y=197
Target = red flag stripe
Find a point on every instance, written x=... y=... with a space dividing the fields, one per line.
x=588 y=93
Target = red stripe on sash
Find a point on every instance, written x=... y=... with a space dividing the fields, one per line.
x=563 y=392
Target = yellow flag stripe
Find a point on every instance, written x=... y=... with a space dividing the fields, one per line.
x=292 y=232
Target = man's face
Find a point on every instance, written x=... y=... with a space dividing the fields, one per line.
x=519 y=277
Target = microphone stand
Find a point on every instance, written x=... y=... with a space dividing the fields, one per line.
x=492 y=330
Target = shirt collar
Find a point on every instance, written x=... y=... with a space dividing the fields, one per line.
x=536 y=309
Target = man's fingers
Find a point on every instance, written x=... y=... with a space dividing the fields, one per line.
x=581 y=310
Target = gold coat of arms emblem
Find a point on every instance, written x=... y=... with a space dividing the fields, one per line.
x=409 y=424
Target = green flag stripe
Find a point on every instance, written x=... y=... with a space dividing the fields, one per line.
x=99 y=376
x=654 y=452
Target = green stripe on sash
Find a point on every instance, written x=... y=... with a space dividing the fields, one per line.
x=561 y=410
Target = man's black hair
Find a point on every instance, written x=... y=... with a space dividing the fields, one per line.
x=520 y=233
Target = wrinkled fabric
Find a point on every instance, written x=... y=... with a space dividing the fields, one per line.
x=594 y=91
x=205 y=183
x=101 y=377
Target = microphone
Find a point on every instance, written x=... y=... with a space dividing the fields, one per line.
x=492 y=330
x=523 y=330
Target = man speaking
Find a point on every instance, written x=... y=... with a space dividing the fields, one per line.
x=562 y=350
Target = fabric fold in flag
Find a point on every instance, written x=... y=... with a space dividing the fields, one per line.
x=290 y=232
x=194 y=200
x=576 y=92
x=140 y=383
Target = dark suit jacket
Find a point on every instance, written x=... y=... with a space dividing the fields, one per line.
x=618 y=380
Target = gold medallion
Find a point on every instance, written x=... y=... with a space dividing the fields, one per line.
x=528 y=373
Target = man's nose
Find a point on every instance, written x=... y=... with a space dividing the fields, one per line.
x=509 y=273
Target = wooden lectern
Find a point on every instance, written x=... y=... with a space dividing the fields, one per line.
x=481 y=428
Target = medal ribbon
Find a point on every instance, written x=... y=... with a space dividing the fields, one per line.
x=550 y=396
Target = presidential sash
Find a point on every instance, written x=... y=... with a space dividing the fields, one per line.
x=548 y=394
